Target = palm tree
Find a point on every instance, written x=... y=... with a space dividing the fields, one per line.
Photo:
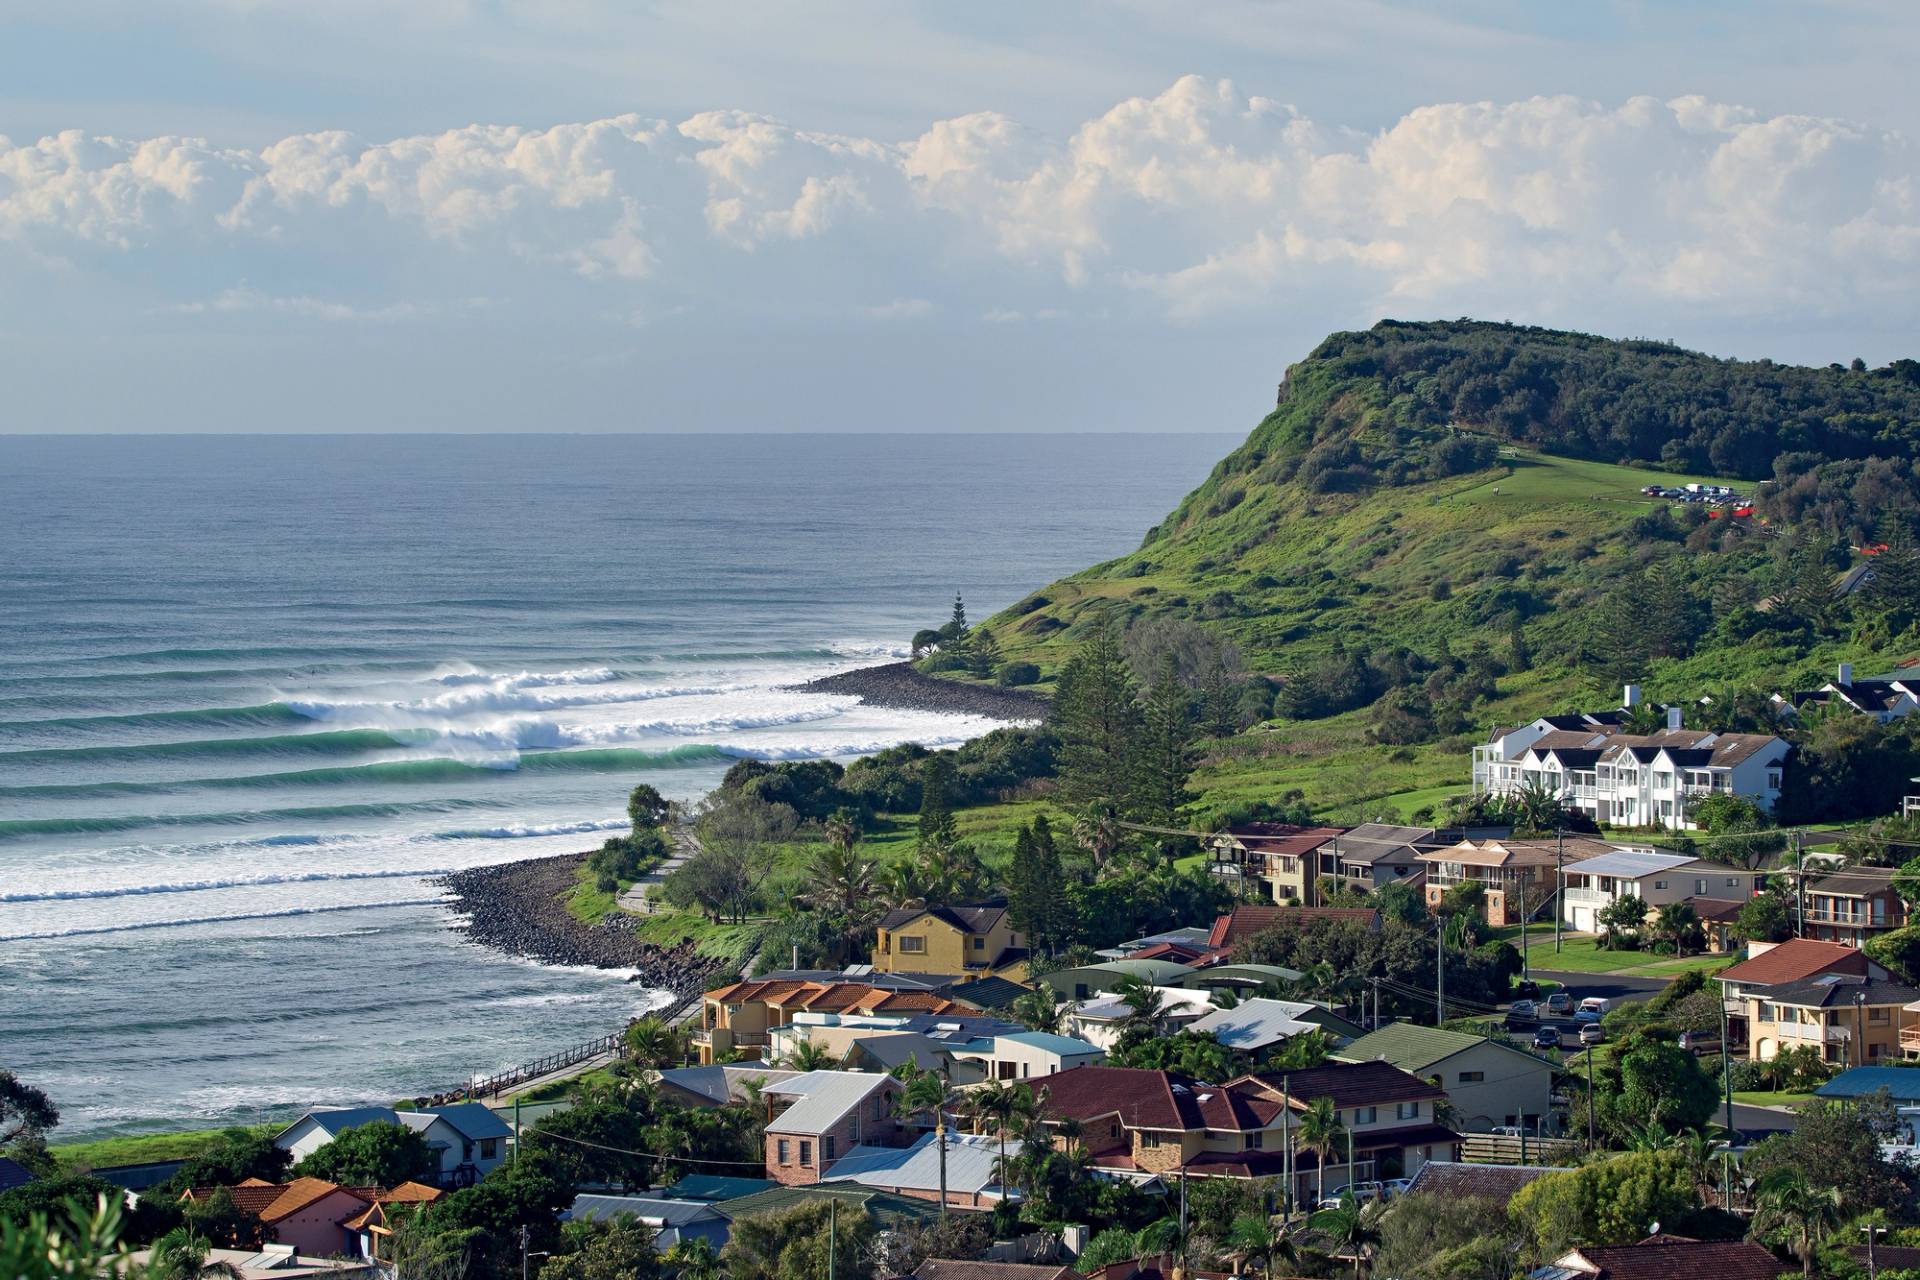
x=842 y=883
x=927 y=1093
x=1224 y=998
x=950 y=871
x=1352 y=1229
x=1320 y=1133
x=1678 y=921
x=182 y=1255
x=1146 y=1006
x=1789 y=1208
x=842 y=829
x=1253 y=1237
x=1040 y=1009
x=901 y=885
x=808 y=1056
x=1099 y=832
x=652 y=1043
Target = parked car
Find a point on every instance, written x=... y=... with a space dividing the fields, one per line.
x=1700 y=1041
x=1509 y=1131
x=1596 y=1003
x=1360 y=1191
x=1396 y=1187
x=1527 y=988
x=1560 y=1003
x=1547 y=1038
x=1522 y=1011
x=1592 y=1033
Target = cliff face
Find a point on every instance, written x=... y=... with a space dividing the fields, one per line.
x=1434 y=487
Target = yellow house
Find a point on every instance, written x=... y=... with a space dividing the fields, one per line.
x=976 y=940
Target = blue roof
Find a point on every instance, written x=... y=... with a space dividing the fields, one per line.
x=1065 y=1046
x=713 y=1186
x=472 y=1120
x=1858 y=1082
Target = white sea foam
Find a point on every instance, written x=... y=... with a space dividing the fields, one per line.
x=87 y=930
x=528 y=679
x=526 y=831
x=477 y=699
x=222 y=882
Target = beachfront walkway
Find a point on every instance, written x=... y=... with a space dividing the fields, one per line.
x=636 y=899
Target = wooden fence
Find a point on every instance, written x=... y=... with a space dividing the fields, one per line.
x=1499 y=1148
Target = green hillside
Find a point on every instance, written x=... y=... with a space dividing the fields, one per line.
x=1442 y=526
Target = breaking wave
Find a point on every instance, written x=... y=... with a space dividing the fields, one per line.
x=226 y=882
x=87 y=930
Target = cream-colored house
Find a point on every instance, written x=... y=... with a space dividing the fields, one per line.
x=973 y=941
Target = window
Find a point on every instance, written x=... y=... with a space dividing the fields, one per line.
x=1877 y=1017
x=1773 y=779
x=1149 y=1139
x=1406 y=1111
x=827 y=1145
x=882 y=1105
x=913 y=946
x=1659 y=884
x=1113 y=1130
x=489 y=1148
x=806 y=1154
x=785 y=1153
x=1365 y=1115
x=1253 y=1141
x=1700 y=887
x=979 y=943
x=1472 y=1077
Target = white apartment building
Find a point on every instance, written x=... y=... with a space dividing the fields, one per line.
x=1630 y=780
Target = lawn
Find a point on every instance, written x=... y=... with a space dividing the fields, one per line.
x=1579 y=953
x=146 y=1148
x=1771 y=1098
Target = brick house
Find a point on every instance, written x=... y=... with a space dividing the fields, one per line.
x=1852 y=905
x=815 y=1118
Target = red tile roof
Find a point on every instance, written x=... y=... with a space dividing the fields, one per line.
x=1794 y=959
x=830 y=997
x=1677 y=1258
x=1142 y=1099
x=1243 y=922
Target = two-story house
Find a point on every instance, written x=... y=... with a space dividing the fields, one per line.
x=1490 y=1082
x=1141 y=1123
x=1852 y=1019
x=1277 y=861
x=740 y=1017
x=1884 y=698
x=972 y=940
x=1519 y=877
x=1852 y=905
x=1746 y=987
x=815 y=1118
x=467 y=1140
x=1376 y=854
x=1657 y=879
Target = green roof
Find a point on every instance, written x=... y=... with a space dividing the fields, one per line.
x=1412 y=1047
x=713 y=1186
x=887 y=1209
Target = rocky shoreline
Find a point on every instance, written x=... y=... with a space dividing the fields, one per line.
x=899 y=685
x=516 y=907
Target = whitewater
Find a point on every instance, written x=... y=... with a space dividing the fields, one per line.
x=241 y=735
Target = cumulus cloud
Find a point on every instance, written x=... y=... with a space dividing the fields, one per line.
x=1199 y=200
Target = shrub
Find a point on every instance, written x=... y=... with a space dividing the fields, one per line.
x=1014 y=674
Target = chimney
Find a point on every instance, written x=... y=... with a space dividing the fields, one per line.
x=1846 y=675
x=1673 y=717
x=1631 y=697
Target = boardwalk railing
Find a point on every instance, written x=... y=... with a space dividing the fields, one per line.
x=544 y=1066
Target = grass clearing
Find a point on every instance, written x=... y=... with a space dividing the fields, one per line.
x=1580 y=953
x=145 y=1148
x=1771 y=1098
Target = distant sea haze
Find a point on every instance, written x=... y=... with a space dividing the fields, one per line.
x=255 y=691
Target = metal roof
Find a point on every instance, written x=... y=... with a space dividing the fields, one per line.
x=828 y=1096
x=653 y=1211
x=970 y=1161
x=1047 y=1042
x=1631 y=866
x=1254 y=1024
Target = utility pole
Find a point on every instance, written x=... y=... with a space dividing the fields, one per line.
x=1726 y=1093
x=1286 y=1140
x=1559 y=884
x=1439 y=971
x=1873 y=1270
x=1800 y=883
x=833 y=1235
x=1526 y=974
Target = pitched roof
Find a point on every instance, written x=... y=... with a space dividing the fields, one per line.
x=953 y=1269
x=1854 y=880
x=893 y=1048
x=470 y=1120
x=1717 y=909
x=1244 y=922
x=1902 y=1083
x=1143 y=1099
x=13 y=1174
x=888 y=1208
x=1351 y=1083
x=831 y=996
x=1795 y=959
x=722 y=1084
x=1294 y=843
x=1696 y=747
x=1415 y=1048
x=1255 y=1024
x=270 y=1202
x=1841 y=990
x=1629 y=865
x=1048 y=1042
x=652 y=1210
x=1675 y=1258
x=825 y=1098
x=969 y=1168
x=977 y=917
x=987 y=993
x=1453 y=1179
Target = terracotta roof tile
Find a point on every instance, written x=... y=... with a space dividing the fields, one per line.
x=952 y=1269
x=1675 y=1258
x=1794 y=960
x=1243 y=922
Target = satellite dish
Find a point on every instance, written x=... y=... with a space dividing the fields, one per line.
x=1654 y=1230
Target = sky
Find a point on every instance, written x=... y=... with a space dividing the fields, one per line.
x=697 y=215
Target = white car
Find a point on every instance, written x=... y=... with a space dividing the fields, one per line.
x=1396 y=1187
x=1592 y=1033
x=1596 y=1003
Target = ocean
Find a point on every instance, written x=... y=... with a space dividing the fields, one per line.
x=256 y=691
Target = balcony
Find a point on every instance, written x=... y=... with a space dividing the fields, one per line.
x=1588 y=897
x=1846 y=919
x=739 y=1039
x=1812 y=1031
x=1910 y=1038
